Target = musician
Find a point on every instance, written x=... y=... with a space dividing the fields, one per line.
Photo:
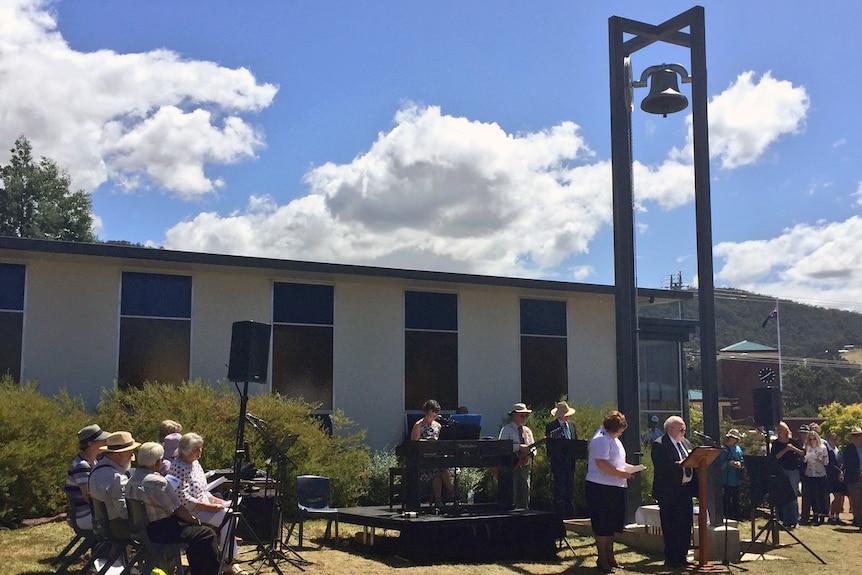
x=522 y=446
x=562 y=459
x=428 y=428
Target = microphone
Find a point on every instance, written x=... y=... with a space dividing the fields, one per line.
x=444 y=421
x=706 y=437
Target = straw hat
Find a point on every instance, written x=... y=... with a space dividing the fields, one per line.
x=120 y=441
x=520 y=408
x=563 y=409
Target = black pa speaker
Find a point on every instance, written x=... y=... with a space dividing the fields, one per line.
x=260 y=518
x=767 y=406
x=249 y=352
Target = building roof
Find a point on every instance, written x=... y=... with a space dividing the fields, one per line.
x=746 y=346
x=144 y=254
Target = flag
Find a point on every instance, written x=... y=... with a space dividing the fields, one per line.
x=772 y=314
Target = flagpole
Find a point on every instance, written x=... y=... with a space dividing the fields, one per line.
x=778 y=329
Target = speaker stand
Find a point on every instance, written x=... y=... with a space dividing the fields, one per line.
x=267 y=554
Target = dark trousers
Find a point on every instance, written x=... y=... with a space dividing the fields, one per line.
x=814 y=497
x=202 y=552
x=676 y=520
x=731 y=502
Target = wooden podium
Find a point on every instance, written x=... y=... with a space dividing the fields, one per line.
x=701 y=458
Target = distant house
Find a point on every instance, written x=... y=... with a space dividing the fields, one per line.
x=742 y=368
x=373 y=342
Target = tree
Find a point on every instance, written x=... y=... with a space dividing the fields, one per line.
x=35 y=201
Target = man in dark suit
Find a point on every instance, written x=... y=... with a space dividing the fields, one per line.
x=673 y=487
x=852 y=454
x=561 y=456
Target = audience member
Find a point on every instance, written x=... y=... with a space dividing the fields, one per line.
x=170 y=443
x=192 y=489
x=852 y=454
x=90 y=440
x=789 y=454
x=835 y=479
x=816 y=458
x=731 y=463
x=167 y=427
x=169 y=521
x=108 y=480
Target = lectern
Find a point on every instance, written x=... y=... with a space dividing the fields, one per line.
x=701 y=458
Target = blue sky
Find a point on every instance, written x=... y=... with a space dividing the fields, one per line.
x=453 y=136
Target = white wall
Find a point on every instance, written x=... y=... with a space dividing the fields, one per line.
x=489 y=375
x=71 y=327
x=592 y=349
x=369 y=357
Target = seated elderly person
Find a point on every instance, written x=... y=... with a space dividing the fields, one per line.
x=90 y=440
x=170 y=443
x=169 y=521
x=108 y=480
x=192 y=489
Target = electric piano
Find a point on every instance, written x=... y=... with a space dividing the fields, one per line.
x=448 y=453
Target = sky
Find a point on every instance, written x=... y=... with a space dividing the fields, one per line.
x=449 y=136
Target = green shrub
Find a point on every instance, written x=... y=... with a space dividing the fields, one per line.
x=213 y=412
x=37 y=443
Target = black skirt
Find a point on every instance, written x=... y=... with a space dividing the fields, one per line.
x=607 y=508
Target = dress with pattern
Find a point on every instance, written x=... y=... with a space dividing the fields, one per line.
x=428 y=431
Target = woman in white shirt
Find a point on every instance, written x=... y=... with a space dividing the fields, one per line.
x=816 y=459
x=606 y=482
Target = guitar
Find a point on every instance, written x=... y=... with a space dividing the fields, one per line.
x=524 y=459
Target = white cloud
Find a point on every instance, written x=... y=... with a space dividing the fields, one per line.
x=748 y=117
x=446 y=193
x=141 y=119
x=436 y=192
x=818 y=263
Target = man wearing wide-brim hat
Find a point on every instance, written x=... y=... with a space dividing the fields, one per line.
x=559 y=433
x=852 y=454
x=518 y=476
x=108 y=480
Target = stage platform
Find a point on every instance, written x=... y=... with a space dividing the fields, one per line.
x=479 y=533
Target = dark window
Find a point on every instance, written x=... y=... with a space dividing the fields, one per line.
x=156 y=295
x=303 y=304
x=544 y=353
x=155 y=329
x=430 y=349
x=12 y=283
x=431 y=311
x=659 y=371
x=11 y=319
x=543 y=317
x=302 y=348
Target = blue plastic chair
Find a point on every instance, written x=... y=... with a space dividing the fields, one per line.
x=312 y=498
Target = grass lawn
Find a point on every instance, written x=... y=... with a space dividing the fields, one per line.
x=28 y=551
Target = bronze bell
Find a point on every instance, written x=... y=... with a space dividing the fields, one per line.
x=664 y=96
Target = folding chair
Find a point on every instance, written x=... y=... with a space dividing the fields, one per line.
x=150 y=554
x=82 y=541
x=312 y=499
x=110 y=548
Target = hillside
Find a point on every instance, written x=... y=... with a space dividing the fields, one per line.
x=806 y=331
